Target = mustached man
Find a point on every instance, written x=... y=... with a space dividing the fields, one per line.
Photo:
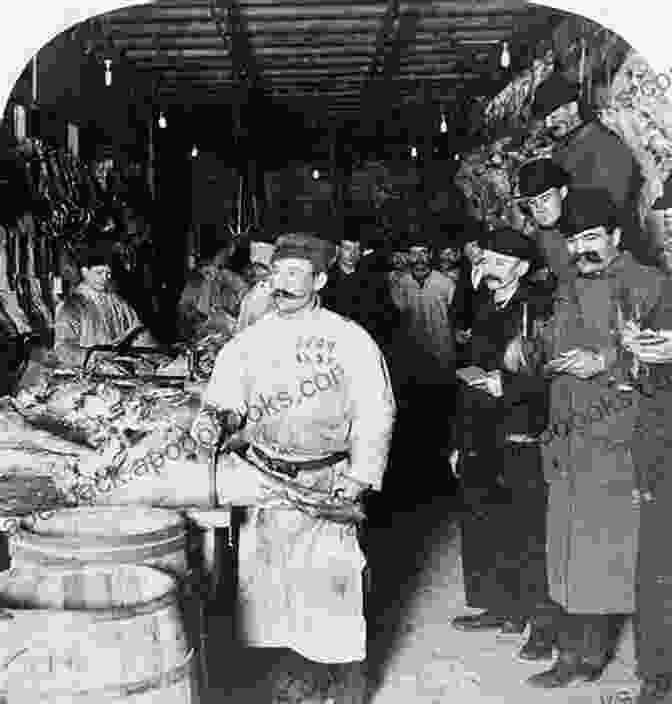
x=594 y=512
x=500 y=414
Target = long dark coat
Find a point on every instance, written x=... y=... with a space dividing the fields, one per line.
x=652 y=452
x=503 y=536
x=593 y=524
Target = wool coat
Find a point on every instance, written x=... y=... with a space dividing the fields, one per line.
x=593 y=523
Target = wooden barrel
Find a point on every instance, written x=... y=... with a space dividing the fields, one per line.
x=108 y=633
x=72 y=538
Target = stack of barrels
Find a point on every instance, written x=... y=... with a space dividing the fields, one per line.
x=96 y=608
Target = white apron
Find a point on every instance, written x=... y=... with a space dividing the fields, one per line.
x=300 y=578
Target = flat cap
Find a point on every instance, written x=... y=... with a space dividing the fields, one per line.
x=554 y=92
x=539 y=176
x=587 y=208
x=304 y=245
x=510 y=242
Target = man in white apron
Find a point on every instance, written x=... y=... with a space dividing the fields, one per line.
x=310 y=392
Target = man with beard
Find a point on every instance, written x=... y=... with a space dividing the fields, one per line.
x=594 y=514
x=592 y=155
x=501 y=410
x=543 y=185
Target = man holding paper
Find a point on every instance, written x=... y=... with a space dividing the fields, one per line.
x=594 y=487
x=502 y=409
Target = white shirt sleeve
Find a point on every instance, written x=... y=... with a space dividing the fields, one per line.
x=226 y=388
x=373 y=409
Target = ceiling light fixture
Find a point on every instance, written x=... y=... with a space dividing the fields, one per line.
x=444 y=124
x=505 y=59
x=316 y=174
x=108 y=72
x=414 y=153
x=163 y=123
x=194 y=152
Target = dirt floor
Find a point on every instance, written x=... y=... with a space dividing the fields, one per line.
x=414 y=654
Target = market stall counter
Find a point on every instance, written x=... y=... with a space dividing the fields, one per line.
x=85 y=436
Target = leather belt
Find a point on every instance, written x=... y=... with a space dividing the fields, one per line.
x=521 y=439
x=291 y=469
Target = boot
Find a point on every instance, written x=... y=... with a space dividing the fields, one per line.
x=539 y=645
x=568 y=668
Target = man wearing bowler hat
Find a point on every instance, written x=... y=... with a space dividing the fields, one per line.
x=592 y=155
x=594 y=507
x=501 y=410
x=542 y=186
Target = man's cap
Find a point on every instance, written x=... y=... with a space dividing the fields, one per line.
x=95 y=254
x=538 y=176
x=554 y=92
x=362 y=228
x=665 y=201
x=511 y=243
x=587 y=208
x=304 y=245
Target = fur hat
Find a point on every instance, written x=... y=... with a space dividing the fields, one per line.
x=303 y=245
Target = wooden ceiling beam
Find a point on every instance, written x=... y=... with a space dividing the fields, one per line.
x=193 y=11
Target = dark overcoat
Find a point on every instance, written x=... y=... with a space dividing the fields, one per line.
x=503 y=534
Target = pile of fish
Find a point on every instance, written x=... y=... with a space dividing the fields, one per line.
x=78 y=430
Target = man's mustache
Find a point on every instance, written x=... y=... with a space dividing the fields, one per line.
x=283 y=293
x=592 y=257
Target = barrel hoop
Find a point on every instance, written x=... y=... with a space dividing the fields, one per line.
x=33 y=538
x=114 y=692
x=115 y=613
x=20 y=553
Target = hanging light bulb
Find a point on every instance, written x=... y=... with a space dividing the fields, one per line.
x=316 y=174
x=414 y=153
x=444 y=124
x=163 y=123
x=108 y=72
x=194 y=152
x=505 y=59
